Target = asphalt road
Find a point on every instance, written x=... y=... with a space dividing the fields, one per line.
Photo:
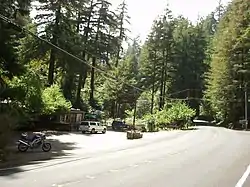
x=207 y=157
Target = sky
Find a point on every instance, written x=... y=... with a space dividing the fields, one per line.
x=144 y=12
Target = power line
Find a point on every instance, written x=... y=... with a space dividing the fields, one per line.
x=106 y=75
x=64 y=51
x=94 y=55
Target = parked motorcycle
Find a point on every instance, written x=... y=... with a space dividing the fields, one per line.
x=33 y=142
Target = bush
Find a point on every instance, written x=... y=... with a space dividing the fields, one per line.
x=151 y=123
x=53 y=100
x=27 y=90
x=177 y=111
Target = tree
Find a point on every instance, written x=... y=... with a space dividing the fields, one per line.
x=84 y=20
x=173 y=58
x=121 y=95
x=176 y=61
x=123 y=18
x=103 y=18
x=230 y=63
x=27 y=90
x=54 y=100
x=53 y=20
x=10 y=35
x=158 y=55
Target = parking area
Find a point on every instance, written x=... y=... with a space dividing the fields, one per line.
x=78 y=145
x=91 y=142
x=88 y=143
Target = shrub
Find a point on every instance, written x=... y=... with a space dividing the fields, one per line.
x=177 y=111
x=27 y=90
x=151 y=123
x=53 y=100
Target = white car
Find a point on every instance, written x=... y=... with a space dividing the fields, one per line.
x=92 y=127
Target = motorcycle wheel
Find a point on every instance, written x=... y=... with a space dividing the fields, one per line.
x=22 y=147
x=46 y=147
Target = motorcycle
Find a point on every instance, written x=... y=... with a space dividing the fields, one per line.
x=36 y=141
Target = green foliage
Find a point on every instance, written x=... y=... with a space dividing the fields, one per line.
x=54 y=100
x=143 y=104
x=27 y=89
x=172 y=59
x=230 y=63
x=173 y=63
x=171 y=113
x=122 y=92
x=9 y=36
x=177 y=111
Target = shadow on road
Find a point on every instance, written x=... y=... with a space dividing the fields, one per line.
x=190 y=129
x=15 y=159
x=60 y=133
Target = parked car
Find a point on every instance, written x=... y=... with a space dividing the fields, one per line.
x=119 y=126
x=92 y=127
x=203 y=120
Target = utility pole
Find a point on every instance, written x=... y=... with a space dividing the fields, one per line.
x=134 y=114
x=134 y=108
x=246 y=107
x=153 y=87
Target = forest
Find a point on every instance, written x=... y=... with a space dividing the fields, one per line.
x=72 y=54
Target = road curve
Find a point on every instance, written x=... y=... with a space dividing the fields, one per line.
x=207 y=157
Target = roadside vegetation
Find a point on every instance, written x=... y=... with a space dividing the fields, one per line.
x=182 y=70
x=174 y=115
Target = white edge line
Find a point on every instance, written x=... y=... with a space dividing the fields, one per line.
x=244 y=177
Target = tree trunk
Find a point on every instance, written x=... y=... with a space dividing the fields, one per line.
x=83 y=67
x=68 y=86
x=113 y=109
x=92 y=78
x=118 y=110
x=52 y=59
x=117 y=57
x=81 y=82
x=92 y=82
x=120 y=35
x=167 y=60
x=162 y=82
x=153 y=87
